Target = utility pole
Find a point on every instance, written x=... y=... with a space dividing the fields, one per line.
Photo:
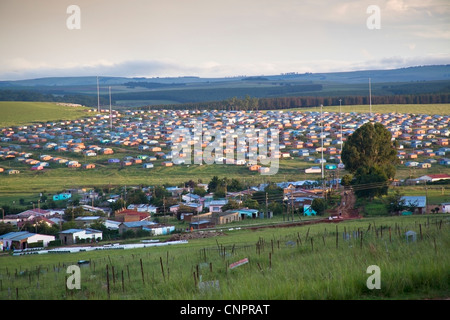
x=321 y=147
x=292 y=205
x=98 y=97
x=110 y=110
x=370 y=97
x=164 y=207
x=267 y=205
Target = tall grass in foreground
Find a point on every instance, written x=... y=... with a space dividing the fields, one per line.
x=322 y=261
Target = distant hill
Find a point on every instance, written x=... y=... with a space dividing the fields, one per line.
x=419 y=73
x=140 y=91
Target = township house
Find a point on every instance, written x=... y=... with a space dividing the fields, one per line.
x=153 y=228
x=22 y=239
x=433 y=177
x=127 y=215
x=73 y=236
x=419 y=203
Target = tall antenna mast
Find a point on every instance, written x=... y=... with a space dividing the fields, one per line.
x=321 y=136
x=110 y=111
x=370 y=97
x=340 y=120
x=98 y=97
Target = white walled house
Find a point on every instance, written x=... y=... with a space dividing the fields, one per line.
x=21 y=240
x=73 y=236
x=446 y=207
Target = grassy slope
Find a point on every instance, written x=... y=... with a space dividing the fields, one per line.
x=290 y=264
x=13 y=113
x=441 y=109
x=58 y=177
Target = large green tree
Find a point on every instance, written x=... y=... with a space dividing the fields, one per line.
x=369 y=154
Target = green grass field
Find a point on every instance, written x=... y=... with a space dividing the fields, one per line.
x=324 y=261
x=441 y=109
x=14 y=113
x=29 y=184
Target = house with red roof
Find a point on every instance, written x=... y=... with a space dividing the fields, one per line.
x=127 y=215
x=434 y=177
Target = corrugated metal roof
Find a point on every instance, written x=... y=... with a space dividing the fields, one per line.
x=17 y=236
x=72 y=231
x=137 y=224
x=418 y=201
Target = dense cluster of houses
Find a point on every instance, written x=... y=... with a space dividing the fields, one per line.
x=202 y=212
x=423 y=139
x=198 y=212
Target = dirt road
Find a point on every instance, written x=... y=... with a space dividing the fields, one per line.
x=347 y=206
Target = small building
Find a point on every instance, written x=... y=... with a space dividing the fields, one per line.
x=434 y=177
x=143 y=208
x=313 y=170
x=62 y=196
x=201 y=224
x=248 y=213
x=135 y=225
x=84 y=221
x=418 y=203
x=308 y=211
x=73 y=236
x=227 y=217
x=445 y=207
x=216 y=205
x=20 y=240
x=159 y=229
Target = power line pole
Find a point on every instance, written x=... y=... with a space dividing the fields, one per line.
x=370 y=97
x=267 y=205
x=98 y=97
x=110 y=110
x=292 y=205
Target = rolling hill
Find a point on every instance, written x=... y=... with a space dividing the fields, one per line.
x=132 y=92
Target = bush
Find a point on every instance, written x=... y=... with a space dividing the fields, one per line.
x=319 y=205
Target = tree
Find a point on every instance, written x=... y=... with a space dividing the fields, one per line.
x=276 y=208
x=369 y=146
x=369 y=154
x=234 y=186
x=232 y=204
x=251 y=204
x=212 y=185
x=72 y=213
x=319 y=205
x=137 y=197
x=6 y=227
x=370 y=182
x=347 y=180
x=395 y=202
x=199 y=191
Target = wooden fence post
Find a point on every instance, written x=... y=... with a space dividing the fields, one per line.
x=142 y=272
x=107 y=281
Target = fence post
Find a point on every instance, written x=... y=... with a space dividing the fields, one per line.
x=142 y=271
x=123 y=284
x=107 y=281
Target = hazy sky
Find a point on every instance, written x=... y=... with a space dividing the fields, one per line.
x=215 y=38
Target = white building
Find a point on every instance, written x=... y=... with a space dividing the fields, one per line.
x=21 y=240
x=446 y=207
x=72 y=236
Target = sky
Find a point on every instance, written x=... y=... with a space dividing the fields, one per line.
x=218 y=38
